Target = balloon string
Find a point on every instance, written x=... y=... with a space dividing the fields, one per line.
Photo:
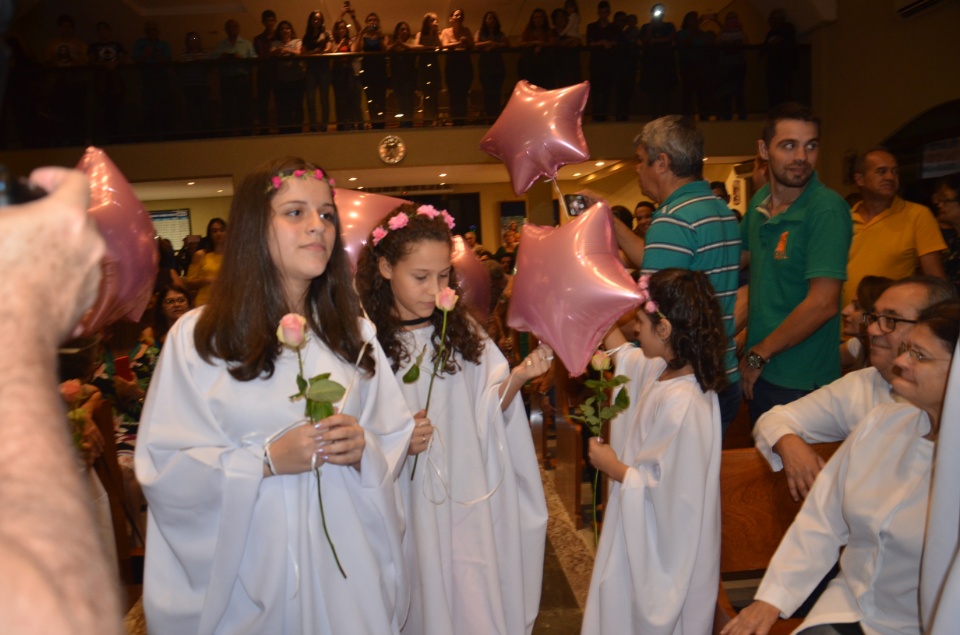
x=563 y=202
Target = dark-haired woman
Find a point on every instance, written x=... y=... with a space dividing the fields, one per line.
x=173 y=301
x=493 y=71
x=658 y=561
x=230 y=467
x=536 y=61
x=403 y=72
x=346 y=89
x=291 y=78
x=374 y=76
x=428 y=67
x=206 y=261
x=457 y=40
x=317 y=40
x=476 y=516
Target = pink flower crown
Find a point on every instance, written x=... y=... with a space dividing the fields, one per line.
x=648 y=304
x=276 y=182
x=400 y=221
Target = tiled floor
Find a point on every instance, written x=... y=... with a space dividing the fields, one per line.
x=559 y=612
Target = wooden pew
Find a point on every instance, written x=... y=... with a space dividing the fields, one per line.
x=756 y=509
x=108 y=470
x=569 y=467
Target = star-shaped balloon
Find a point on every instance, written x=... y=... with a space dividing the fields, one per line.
x=129 y=265
x=538 y=132
x=570 y=285
x=359 y=213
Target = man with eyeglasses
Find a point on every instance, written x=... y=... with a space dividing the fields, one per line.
x=891 y=237
x=831 y=413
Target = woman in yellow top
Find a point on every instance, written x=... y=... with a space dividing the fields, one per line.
x=206 y=262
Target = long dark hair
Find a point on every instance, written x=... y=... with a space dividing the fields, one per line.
x=239 y=323
x=311 y=33
x=485 y=34
x=463 y=333
x=206 y=243
x=687 y=299
x=426 y=37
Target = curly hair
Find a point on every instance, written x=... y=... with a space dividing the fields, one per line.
x=688 y=300
x=376 y=293
x=239 y=323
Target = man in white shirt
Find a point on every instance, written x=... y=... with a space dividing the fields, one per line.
x=831 y=413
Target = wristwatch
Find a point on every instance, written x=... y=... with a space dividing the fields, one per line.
x=755 y=361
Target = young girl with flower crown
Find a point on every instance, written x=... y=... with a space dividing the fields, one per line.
x=658 y=561
x=239 y=542
x=476 y=516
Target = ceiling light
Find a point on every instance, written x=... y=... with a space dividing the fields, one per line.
x=443 y=175
x=352 y=178
x=219 y=191
x=191 y=182
x=599 y=164
x=576 y=174
x=359 y=187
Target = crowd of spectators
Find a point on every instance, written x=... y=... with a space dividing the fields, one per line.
x=270 y=84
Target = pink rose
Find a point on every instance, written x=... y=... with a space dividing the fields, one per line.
x=428 y=210
x=332 y=182
x=318 y=174
x=70 y=391
x=277 y=182
x=398 y=222
x=448 y=219
x=292 y=329
x=651 y=307
x=299 y=173
x=379 y=233
x=644 y=282
x=447 y=299
x=600 y=361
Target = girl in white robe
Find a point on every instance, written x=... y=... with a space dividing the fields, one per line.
x=657 y=567
x=476 y=515
x=236 y=543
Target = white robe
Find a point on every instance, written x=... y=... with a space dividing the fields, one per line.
x=871 y=498
x=476 y=562
x=657 y=568
x=827 y=414
x=230 y=551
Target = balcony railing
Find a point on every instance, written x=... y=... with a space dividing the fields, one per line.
x=47 y=107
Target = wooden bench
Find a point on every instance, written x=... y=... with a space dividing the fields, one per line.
x=569 y=467
x=756 y=509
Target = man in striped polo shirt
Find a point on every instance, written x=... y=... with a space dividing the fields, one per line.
x=692 y=228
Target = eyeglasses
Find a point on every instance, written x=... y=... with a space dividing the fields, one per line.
x=172 y=301
x=944 y=201
x=917 y=357
x=887 y=323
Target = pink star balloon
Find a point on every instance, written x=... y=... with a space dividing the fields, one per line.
x=130 y=262
x=538 y=132
x=570 y=285
x=359 y=213
x=473 y=277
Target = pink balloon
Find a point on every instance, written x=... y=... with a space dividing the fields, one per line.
x=538 y=132
x=360 y=212
x=570 y=285
x=130 y=263
x=473 y=275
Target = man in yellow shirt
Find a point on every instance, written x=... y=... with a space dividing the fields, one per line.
x=891 y=237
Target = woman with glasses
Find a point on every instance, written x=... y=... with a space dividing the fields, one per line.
x=173 y=301
x=855 y=352
x=870 y=500
x=946 y=201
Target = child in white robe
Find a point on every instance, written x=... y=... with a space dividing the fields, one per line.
x=236 y=542
x=476 y=515
x=657 y=568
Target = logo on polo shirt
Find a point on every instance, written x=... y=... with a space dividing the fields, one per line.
x=780 y=253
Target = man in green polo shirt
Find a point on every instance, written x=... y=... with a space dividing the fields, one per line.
x=692 y=229
x=796 y=237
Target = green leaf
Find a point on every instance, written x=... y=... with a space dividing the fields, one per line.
x=587 y=410
x=589 y=401
x=318 y=410
x=593 y=384
x=622 y=400
x=301 y=383
x=325 y=390
x=619 y=380
x=608 y=413
x=420 y=356
x=596 y=429
x=412 y=375
x=319 y=377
